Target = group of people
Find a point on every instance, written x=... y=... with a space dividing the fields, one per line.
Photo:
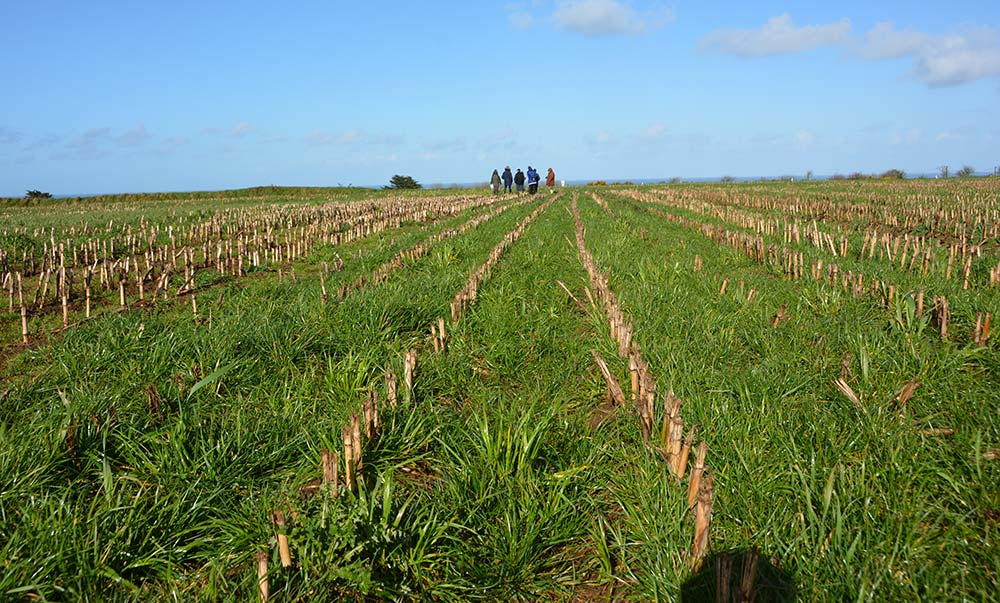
x=518 y=179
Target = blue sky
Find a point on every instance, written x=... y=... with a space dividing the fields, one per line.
x=126 y=96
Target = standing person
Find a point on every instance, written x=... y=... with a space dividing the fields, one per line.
x=495 y=183
x=519 y=180
x=550 y=180
x=508 y=178
x=533 y=179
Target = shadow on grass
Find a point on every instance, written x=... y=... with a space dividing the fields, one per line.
x=739 y=576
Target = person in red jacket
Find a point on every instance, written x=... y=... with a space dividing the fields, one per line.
x=550 y=180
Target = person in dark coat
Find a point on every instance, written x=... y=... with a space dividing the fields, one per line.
x=508 y=179
x=550 y=180
x=519 y=180
x=495 y=183
x=533 y=179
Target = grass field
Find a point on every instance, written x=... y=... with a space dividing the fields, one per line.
x=828 y=344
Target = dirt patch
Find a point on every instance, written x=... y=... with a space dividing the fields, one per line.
x=604 y=412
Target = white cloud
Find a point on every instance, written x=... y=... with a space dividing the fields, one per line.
x=91 y=138
x=950 y=66
x=884 y=42
x=805 y=137
x=43 y=142
x=602 y=140
x=355 y=137
x=241 y=129
x=938 y=60
x=908 y=137
x=322 y=137
x=966 y=133
x=778 y=36
x=167 y=146
x=90 y=144
x=134 y=137
x=8 y=136
x=447 y=144
x=598 y=18
x=654 y=131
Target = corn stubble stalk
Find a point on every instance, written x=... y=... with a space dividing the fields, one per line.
x=941 y=315
x=119 y=252
x=322 y=284
x=696 y=474
x=24 y=310
x=633 y=371
x=702 y=520
x=686 y=452
x=283 y=551
x=369 y=411
x=329 y=462
x=982 y=330
x=780 y=316
x=262 y=582
x=348 y=441
x=356 y=443
x=409 y=367
x=390 y=387
x=613 y=387
x=672 y=444
x=64 y=296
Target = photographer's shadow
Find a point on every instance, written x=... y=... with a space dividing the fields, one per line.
x=741 y=576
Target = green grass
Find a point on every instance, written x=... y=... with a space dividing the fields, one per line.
x=852 y=500
x=141 y=453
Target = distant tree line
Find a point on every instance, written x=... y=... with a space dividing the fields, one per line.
x=896 y=174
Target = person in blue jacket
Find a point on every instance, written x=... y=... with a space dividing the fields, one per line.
x=508 y=179
x=533 y=179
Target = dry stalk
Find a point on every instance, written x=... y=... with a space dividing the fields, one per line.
x=616 y=390
x=780 y=316
x=283 y=551
x=686 y=452
x=409 y=366
x=348 y=457
x=390 y=386
x=329 y=463
x=905 y=393
x=939 y=431
x=356 y=442
x=847 y=391
x=579 y=303
x=845 y=366
x=702 y=520
x=262 y=559
x=696 y=473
